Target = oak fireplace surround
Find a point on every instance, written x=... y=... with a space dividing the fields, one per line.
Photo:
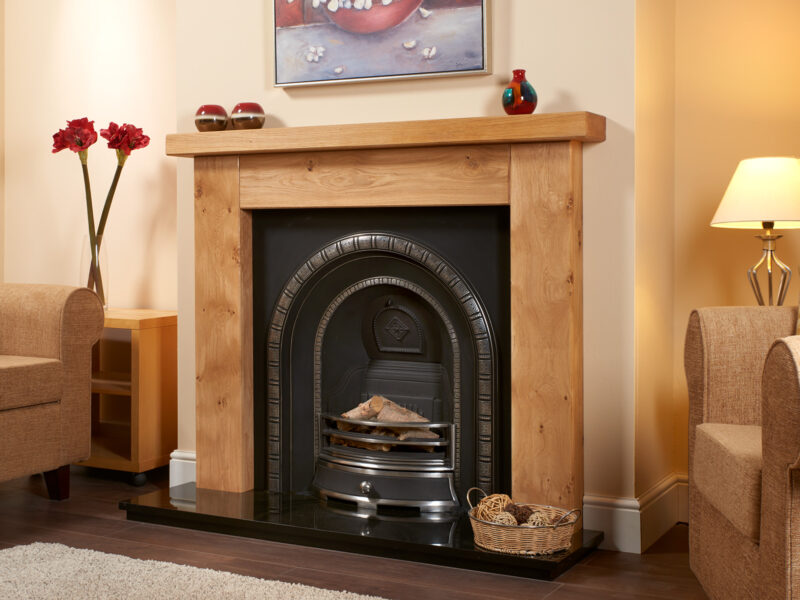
x=531 y=163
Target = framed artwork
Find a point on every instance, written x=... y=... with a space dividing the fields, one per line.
x=334 y=41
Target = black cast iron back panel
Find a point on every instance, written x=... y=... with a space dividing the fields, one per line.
x=475 y=240
x=452 y=338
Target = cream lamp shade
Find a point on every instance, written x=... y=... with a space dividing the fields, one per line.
x=762 y=190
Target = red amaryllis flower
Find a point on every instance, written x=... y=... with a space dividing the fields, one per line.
x=77 y=136
x=126 y=138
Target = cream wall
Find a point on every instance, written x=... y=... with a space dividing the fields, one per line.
x=108 y=61
x=655 y=241
x=579 y=55
x=737 y=95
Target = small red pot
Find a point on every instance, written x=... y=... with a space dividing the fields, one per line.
x=247 y=115
x=210 y=117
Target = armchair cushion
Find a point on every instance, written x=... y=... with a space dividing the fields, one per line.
x=27 y=381
x=727 y=471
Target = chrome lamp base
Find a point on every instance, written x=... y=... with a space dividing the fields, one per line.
x=769 y=258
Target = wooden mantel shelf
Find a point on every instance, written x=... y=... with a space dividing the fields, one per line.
x=546 y=127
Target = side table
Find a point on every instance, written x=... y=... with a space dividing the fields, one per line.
x=134 y=392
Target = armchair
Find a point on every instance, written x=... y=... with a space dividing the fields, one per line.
x=46 y=338
x=743 y=372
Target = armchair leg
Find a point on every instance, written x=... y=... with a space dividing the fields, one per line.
x=57 y=482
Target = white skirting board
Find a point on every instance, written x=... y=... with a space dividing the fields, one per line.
x=182 y=467
x=634 y=524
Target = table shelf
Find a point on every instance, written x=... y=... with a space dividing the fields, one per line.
x=134 y=391
x=109 y=382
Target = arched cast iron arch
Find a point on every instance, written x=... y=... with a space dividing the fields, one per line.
x=460 y=290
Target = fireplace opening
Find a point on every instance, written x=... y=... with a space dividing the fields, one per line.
x=382 y=369
x=388 y=343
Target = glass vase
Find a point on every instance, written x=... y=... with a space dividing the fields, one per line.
x=98 y=283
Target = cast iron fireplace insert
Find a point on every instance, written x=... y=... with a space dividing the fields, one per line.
x=410 y=304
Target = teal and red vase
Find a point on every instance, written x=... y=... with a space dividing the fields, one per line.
x=519 y=98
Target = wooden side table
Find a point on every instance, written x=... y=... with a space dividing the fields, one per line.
x=135 y=392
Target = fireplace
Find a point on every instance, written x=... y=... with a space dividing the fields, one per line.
x=391 y=303
x=530 y=164
x=526 y=170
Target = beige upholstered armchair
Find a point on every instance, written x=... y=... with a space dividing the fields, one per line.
x=46 y=338
x=743 y=370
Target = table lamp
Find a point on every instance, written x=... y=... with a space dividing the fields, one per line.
x=764 y=193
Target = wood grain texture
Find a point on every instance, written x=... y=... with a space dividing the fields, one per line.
x=139 y=318
x=136 y=354
x=135 y=392
x=546 y=324
x=224 y=328
x=157 y=431
x=544 y=127
x=445 y=176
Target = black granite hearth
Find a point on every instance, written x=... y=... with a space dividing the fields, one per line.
x=444 y=539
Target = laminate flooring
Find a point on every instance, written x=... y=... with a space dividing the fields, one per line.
x=90 y=519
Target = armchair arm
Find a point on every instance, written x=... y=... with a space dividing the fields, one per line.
x=47 y=320
x=779 y=552
x=54 y=321
x=724 y=358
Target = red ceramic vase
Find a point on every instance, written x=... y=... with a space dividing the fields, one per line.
x=247 y=115
x=210 y=117
x=519 y=97
x=378 y=18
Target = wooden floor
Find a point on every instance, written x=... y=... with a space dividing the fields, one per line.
x=91 y=519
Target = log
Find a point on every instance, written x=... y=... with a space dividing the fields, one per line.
x=358 y=444
x=365 y=411
x=382 y=410
x=404 y=434
x=391 y=412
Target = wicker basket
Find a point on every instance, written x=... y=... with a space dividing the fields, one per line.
x=516 y=539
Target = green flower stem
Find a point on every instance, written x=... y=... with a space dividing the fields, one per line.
x=94 y=271
x=101 y=226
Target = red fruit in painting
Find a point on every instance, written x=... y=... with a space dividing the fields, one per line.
x=378 y=18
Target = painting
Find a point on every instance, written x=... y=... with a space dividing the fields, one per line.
x=330 y=41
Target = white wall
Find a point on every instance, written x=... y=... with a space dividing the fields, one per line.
x=579 y=56
x=109 y=61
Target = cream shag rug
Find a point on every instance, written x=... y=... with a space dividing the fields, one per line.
x=55 y=571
